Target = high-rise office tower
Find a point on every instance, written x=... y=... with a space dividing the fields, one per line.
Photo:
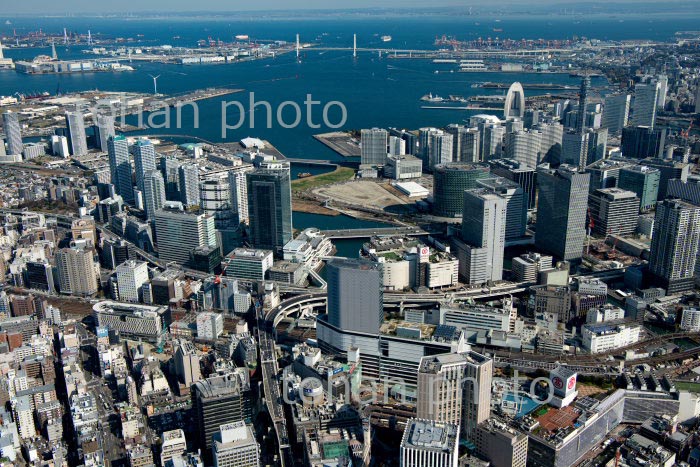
x=144 y=160
x=551 y=141
x=188 y=175
x=644 y=106
x=13 y=133
x=170 y=168
x=215 y=199
x=440 y=388
x=524 y=147
x=76 y=272
x=75 y=123
x=179 y=232
x=614 y=211
x=440 y=148
x=120 y=167
x=219 y=400
x=484 y=232
x=397 y=146
x=239 y=193
x=153 y=193
x=373 y=146
x=597 y=144
x=491 y=135
x=582 y=101
x=270 y=208
x=662 y=82
x=561 y=211
x=616 y=112
x=424 y=136
x=450 y=181
x=235 y=446
x=39 y=276
x=476 y=402
x=104 y=129
x=639 y=142
x=355 y=294
x=465 y=143
x=131 y=275
x=574 y=148
x=674 y=245
x=643 y=181
x=516 y=204
x=522 y=174
x=668 y=170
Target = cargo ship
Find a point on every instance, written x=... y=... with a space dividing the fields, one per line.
x=386 y=38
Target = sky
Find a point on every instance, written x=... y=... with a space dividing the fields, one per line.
x=45 y=7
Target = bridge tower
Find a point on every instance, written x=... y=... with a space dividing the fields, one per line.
x=297 y=46
x=354 y=46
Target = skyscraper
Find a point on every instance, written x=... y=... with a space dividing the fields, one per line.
x=179 y=232
x=515 y=102
x=551 y=141
x=131 y=275
x=476 y=402
x=429 y=444
x=76 y=272
x=103 y=131
x=120 y=167
x=674 y=245
x=170 y=168
x=614 y=211
x=644 y=107
x=270 y=208
x=153 y=193
x=373 y=144
x=215 y=198
x=524 y=146
x=219 y=400
x=582 y=101
x=484 y=231
x=465 y=143
x=516 y=204
x=616 y=112
x=355 y=295
x=13 y=133
x=440 y=148
x=189 y=184
x=144 y=161
x=574 y=148
x=643 y=181
x=75 y=123
x=597 y=144
x=440 y=388
x=561 y=211
x=521 y=174
x=450 y=181
x=239 y=192
x=643 y=141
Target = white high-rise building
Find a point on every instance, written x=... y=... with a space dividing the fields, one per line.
x=13 y=133
x=153 y=193
x=239 y=192
x=616 y=112
x=144 y=161
x=131 y=275
x=235 y=446
x=524 y=146
x=59 y=146
x=429 y=444
x=105 y=130
x=440 y=148
x=484 y=228
x=663 y=91
x=397 y=146
x=120 y=167
x=644 y=107
x=174 y=445
x=189 y=184
x=179 y=232
x=76 y=133
x=690 y=320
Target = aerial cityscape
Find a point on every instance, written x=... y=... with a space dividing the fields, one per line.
x=304 y=233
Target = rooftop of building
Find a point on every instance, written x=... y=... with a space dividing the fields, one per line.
x=428 y=435
x=249 y=253
x=616 y=193
x=434 y=364
x=108 y=306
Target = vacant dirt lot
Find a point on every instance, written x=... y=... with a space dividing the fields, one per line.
x=363 y=193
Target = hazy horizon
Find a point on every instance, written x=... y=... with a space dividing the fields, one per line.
x=80 y=7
